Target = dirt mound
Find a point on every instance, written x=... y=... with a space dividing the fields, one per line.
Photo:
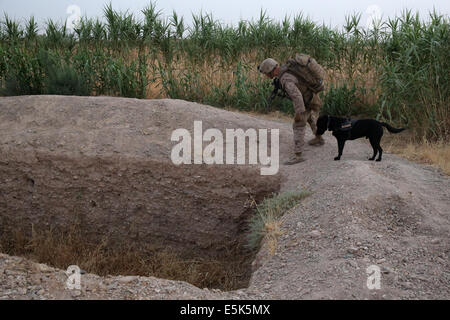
x=393 y=214
x=105 y=163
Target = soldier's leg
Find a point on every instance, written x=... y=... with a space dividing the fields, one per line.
x=299 y=129
x=312 y=120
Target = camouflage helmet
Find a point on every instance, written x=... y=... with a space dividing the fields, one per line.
x=267 y=65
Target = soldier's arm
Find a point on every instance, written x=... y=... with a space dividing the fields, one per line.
x=289 y=85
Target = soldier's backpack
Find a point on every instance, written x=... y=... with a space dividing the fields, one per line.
x=308 y=71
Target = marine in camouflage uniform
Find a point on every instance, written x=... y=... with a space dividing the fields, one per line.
x=306 y=105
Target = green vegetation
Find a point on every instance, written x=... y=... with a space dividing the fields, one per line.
x=397 y=71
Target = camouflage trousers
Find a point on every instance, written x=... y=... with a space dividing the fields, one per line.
x=309 y=116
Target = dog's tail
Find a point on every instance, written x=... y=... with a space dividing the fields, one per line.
x=391 y=129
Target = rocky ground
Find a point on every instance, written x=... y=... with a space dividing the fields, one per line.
x=393 y=214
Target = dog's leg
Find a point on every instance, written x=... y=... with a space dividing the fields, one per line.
x=377 y=141
x=380 y=152
x=374 y=147
x=341 y=143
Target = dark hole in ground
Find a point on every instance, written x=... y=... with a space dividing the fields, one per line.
x=126 y=216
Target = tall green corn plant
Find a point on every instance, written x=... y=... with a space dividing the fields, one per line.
x=60 y=76
x=340 y=101
x=90 y=63
x=354 y=41
x=58 y=36
x=203 y=37
x=415 y=74
x=22 y=72
x=84 y=30
x=31 y=29
x=3 y=65
x=253 y=95
x=98 y=31
x=112 y=23
x=177 y=23
x=126 y=79
x=143 y=77
x=12 y=30
x=242 y=95
x=163 y=39
x=167 y=80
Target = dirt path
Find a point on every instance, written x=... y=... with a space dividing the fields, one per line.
x=394 y=214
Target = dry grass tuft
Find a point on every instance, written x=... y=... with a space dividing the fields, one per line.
x=64 y=247
x=434 y=153
x=266 y=223
x=272 y=230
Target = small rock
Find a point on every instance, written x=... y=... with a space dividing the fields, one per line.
x=75 y=293
x=44 y=268
x=112 y=286
x=240 y=292
x=387 y=270
x=408 y=285
x=441 y=260
x=36 y=280
x=315 y=234
x=381 y=261
x=352 y=250
x=131 y=291
x=102 y=286
x=435 y=241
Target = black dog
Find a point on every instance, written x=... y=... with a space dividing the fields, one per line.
x=345 y=129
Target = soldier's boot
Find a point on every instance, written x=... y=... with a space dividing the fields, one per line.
x=296 y=158
x=317 y=141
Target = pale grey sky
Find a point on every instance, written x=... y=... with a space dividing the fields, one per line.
x=330 y=12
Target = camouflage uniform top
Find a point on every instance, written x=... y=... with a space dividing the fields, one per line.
x=298 y=92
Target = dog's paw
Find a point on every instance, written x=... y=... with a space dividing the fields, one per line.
x=337 y=158
x=378 y=160
x=371 y=159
